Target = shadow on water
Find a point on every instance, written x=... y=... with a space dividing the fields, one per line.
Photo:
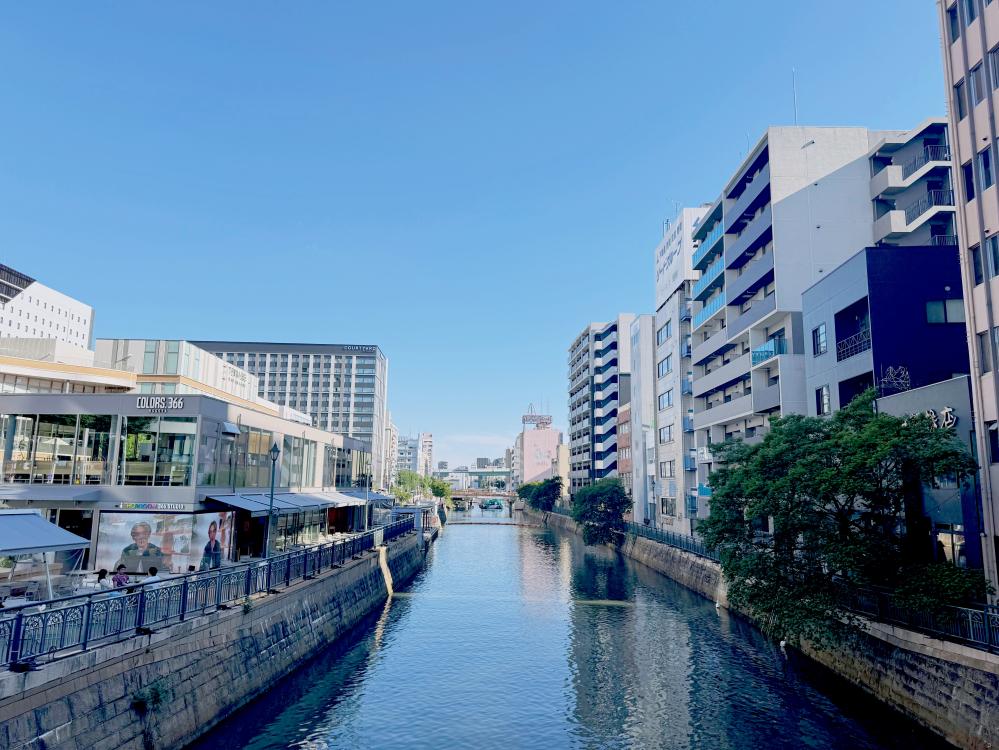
x=525 y=638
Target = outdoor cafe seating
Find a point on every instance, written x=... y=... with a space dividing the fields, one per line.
x=38 y=560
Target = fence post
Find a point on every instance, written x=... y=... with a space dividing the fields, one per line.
x=183 y=599
x=140 y=615
x=246 y=581
x=218 y=588
x=16 y=636
x=287 y=570
x=86 y=623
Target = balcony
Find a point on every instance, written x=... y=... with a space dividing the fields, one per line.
x=704 y=455
x=724 y=412
x=755 y=274
x=769 y=350
x=710 y=308
x=753 y=235
x=685 y=349
x=853 y=345
x=767 y=398
x=761 y=308
x=686 y=388
x=717 y=342
x=688 y=424
x=689 y=463
x=685 y=313
x=896 y=178
x=747 y=198
x=703 y=490
x=703 y=250
x=711 y=277
x=932 y=199
x=930 y=154
x=722 y=376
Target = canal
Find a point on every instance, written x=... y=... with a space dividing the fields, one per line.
x=516 y=637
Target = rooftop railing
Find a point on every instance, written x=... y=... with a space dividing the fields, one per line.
x=76 y=623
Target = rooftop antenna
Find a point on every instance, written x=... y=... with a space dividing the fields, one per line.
x=794 y=93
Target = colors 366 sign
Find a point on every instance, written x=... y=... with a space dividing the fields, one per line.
x=159 y=404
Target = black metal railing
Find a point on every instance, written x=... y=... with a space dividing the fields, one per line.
x=928 y=201
x=671 y=538
x=945 y=240
x=929 y=153
x=78 y=622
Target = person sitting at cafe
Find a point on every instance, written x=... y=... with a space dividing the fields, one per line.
x=120 y=578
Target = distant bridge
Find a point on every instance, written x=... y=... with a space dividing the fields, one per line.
x=464 y=499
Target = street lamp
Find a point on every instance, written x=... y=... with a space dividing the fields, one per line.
x=273 y=453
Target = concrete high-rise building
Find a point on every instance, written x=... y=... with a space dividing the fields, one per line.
x=426 y=455
x=642 y=416
x=408 y=456
x=970 y=33
x=344 y=388
x=535 y=447
x=599 y=379
x=799 y=205
x=29 y=309
x=391 y=451
x=673 y=503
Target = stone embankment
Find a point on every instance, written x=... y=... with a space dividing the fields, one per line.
x=949 y=688
x=166 y=689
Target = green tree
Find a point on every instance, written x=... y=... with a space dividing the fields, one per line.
x=822 y=504
x=440 y=488
x=526 y=491
x=545 y=494
x=600 y=509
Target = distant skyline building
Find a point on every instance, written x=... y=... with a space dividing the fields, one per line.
x=425 y=462
x=29 y=309
x=343 y=387
x=641 y=419
x=599 y=365
x=408 y=456
x=535 y=447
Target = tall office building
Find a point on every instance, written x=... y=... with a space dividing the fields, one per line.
x=970 y=32
x=408 y=456
x=797 y=207
x=342 y=387
x=29 y=309
x=599 y=374
x=641 y=421
x=426 y=456
x=674 y=502
x=391 y=451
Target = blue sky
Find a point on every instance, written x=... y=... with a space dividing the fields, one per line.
x=437 y=178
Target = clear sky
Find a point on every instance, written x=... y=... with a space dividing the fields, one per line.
x=437 y=178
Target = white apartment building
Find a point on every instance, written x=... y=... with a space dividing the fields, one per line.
x=674 y=502
x=29 y=309
x=799 y=205
x=343 y=387
x=643 y=415
x=426 y=456
x=408 y=455
x=599 y=363
x=391 y=451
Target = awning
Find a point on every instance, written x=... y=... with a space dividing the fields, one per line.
x=343 y=500
x=50 y=493
x=23 y=532
x=241 y=502
x=361 y=494
x=304 y=500
x=230 y=428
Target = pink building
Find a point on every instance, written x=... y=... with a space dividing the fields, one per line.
x=540 y=448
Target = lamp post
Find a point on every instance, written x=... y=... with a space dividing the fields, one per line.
x=273 y=453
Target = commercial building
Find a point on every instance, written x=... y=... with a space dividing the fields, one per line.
x=799 y=205
x=391 y=451
x=130 y=470
x=29 y=309
x=970 y=34
x=343 y=387
x=673 y=502
x=624 y=448
x=599 y=380
x=891 y=317
x=535 y=447
x=425 y=465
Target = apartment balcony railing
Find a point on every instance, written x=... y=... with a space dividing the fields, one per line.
x=930 y=153
x=852 y=345
x=685 y=312
x=946 y=240
x=688 y=424
x=707 y=243
x=710 y=308
x=687 y=388
x=685 y=349
x=689 y=463
x=703 y=490
x=709 y=277
x=769 y=350
x=928 y=201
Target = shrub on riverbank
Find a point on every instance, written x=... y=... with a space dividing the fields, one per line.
x=541 y=496
x=600 y=510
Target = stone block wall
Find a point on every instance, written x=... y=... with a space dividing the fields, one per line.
x=166 y=689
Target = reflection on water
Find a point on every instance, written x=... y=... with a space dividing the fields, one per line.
x=513 y=637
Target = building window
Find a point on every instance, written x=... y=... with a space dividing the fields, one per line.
x=992 y=255
x=667 y=469
x=820 y=344
x=666 y=434
x=970 y=11
x=978 y=90
x=664 y=333
x=953 y=24
x=823 y=405
x=945 y=311
x=665 y=366
x=960 y=102
x=976 y=264
x=993 y=58
x=985 y=168
x=968 y=175
x=666 y=399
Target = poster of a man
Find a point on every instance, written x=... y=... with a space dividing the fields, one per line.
x=141 y=554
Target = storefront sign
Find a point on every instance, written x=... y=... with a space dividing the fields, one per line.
x=159 y=404
x=154 y=506
x=944 y=420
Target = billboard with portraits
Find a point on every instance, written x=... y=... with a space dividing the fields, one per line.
x=170 y=542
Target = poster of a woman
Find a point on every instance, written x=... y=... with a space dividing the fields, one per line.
x=211 y=557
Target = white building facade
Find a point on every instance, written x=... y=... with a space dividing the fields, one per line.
x=29 y=309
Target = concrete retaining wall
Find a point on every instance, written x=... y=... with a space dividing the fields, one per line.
x=951 y=689
x=166 y=689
